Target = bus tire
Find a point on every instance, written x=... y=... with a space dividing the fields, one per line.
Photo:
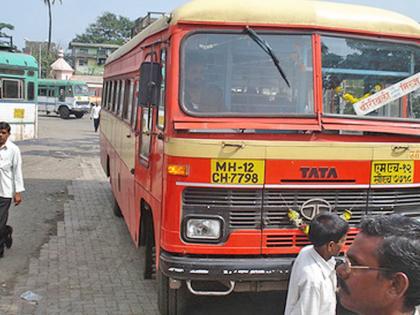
x=116 y=209
x=64 y=112
x=78 y=115
x=149 y=246
x=171 y=301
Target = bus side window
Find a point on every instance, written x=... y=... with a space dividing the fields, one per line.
x=61 y=93
x=51 y=91
x=69 y=91
x=31 y=91
x=42 y=91
x=12 y=89
x=135 y=104
x=104 y=95
x=115 y=96
x=161 y=107
x=130 y=101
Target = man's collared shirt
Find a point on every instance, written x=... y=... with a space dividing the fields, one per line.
x=95 y=113
x=11 y=179
x=312 y=285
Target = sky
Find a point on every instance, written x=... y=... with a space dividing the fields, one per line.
x=30 y=17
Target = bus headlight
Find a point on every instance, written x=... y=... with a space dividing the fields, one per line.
x=203 y=229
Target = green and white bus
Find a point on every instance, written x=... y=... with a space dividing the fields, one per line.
x=63 y=97
x=18 y=93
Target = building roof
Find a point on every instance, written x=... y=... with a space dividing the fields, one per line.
x=17 y=59
x=292 y=13
x=93 y=45
x=61 y=65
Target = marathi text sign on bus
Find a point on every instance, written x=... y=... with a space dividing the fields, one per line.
x=387 y=95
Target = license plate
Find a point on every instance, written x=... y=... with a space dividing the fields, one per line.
x=392 y=172
x=246 y=172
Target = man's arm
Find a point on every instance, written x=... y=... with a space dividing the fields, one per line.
x=17 y=176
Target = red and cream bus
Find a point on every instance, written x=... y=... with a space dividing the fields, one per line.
x=224 y=116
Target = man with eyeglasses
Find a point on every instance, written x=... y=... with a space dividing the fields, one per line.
x=313 y=279
x=381 y=271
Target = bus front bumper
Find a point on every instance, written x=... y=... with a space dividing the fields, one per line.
x=231 y=268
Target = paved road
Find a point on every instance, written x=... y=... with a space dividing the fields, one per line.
x=71 y=250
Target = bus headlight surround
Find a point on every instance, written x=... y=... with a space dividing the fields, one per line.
x=203 y=229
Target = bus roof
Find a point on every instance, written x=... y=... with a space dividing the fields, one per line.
x=292 y=13
x=52 y=82
x=10 y=59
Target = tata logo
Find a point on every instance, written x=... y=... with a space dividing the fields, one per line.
x=318 y=172
x=312 y=207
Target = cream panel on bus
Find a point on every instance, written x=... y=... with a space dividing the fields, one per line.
x=23 y=119
x=291 y=150
x=120 y=135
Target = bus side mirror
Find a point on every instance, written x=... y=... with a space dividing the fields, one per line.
x=150 y=81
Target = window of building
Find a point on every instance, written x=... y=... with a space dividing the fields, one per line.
x=82 y=62
x=101 y=61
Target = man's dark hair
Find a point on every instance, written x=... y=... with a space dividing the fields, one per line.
x=400 y=250
x=327 y=227
x=5 y=125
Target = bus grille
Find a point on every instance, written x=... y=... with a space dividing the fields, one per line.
x=267 y=208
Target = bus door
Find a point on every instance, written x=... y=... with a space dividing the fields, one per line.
x=143 y=169
x=61 y=94
x=51 y=98
x=158 y=132
x=149 y=160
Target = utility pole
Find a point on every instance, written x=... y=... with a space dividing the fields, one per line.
x=40 y=60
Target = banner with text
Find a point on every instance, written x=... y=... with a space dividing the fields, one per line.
x=387 y=95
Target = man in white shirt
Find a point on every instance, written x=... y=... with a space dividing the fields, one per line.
x=95 y=113
x=11 y=183
x=313 y=281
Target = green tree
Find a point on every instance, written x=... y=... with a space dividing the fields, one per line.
x=49 y=3
x=6 y=40
x=6 y=26
x=108 y=29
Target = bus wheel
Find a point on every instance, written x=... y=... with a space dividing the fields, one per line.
x=64 y=112
x=78 y=115
x=149 y=246
x=116 y=209
x=171 y=301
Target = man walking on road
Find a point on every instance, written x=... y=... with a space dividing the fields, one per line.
x=95 y=113
x=313 y=281
x=381 y=272
x=11 y=183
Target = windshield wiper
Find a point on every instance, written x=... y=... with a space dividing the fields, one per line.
x=266 y=47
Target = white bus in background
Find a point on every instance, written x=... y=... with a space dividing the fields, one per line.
x=63 y=97
x=18 y=92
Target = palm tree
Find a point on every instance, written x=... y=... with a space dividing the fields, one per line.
x=49 y=3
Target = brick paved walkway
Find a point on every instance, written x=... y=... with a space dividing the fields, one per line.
x=91 y=266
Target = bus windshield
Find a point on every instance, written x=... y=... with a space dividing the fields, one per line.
x=80 y=90
x=231 y=75
x=354 y=69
